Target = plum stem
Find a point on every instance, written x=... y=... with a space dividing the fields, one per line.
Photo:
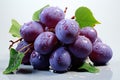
x=13 y=42
x=65 y=10
x=73 y=17
x=26 y=51
x=25 y=47
x=88 y=61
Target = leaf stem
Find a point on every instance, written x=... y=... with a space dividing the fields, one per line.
x=13 y=42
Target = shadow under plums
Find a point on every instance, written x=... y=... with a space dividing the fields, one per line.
x=24 y=71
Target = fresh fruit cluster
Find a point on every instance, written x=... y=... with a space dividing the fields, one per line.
x=60 y=43
x=54 y=42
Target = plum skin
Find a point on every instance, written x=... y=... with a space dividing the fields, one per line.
x=81 y=48
x=29 y=31
x=101 y=54
x=89 y=32
x=45 y=43
x=67 y=30
x=38 y=61
x=60 y=60
x=50 y=16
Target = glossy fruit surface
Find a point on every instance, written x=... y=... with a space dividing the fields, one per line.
x=38 y=61
x=89 y=32
x=81 y=48
x=45 y=43
x=29 y=31
x=101 y=54
x=60 y=60
x=50 y=16
x=67 y=31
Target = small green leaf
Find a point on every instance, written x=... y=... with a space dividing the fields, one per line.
x=89 y=67
x=14 y=62
x=15 y=29
x=35 y=16
x=85 y=17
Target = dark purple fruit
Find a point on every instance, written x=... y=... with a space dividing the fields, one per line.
x=39 y=62
x=89 y=32
x=81 y=48
x=45 y=43
x=50 y=16
x=67 y=31
x=30 y=31
x=101 y=54
x=60 y=60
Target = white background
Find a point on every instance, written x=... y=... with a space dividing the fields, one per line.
x=105 y=11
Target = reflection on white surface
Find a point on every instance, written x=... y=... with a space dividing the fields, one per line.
x=4 y=77
x=27 y=73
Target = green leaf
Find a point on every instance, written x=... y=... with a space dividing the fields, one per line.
x=85 y=17
x=14 y=62
x=35 y=16
x=89 y=67
x=15 y=29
